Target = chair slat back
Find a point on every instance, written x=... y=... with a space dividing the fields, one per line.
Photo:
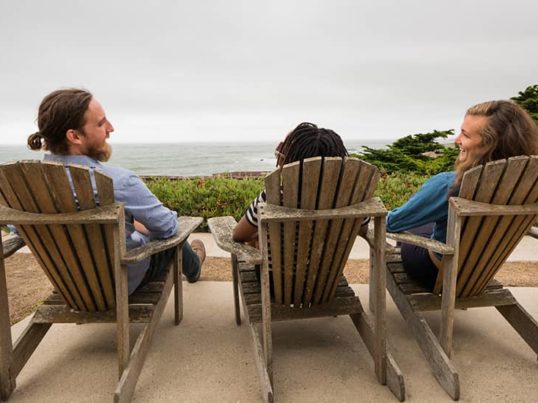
x=76 y=258
x=307 y=258
x=487 y=241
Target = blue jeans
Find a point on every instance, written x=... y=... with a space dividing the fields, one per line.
x=416 y=260
x=159 y=262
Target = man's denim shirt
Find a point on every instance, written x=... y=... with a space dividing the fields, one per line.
x=140 y=205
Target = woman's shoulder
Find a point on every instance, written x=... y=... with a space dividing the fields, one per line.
x=443 y=178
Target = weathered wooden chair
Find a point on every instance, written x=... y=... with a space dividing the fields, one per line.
x=81 y=247
x=495 y=208
x=306 y=232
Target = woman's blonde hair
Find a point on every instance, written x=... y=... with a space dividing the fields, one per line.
x=509 y=131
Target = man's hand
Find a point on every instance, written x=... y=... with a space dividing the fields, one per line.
x=141 y=228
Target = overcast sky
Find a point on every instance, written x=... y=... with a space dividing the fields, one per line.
x=168 y=71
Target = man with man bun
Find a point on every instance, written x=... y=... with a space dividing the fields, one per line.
x=74 y=128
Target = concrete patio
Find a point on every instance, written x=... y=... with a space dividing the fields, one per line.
x=207 y=358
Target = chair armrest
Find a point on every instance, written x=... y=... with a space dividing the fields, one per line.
x=533 y=232
x=222 y=230
x=466 y=207
x=370 y=208
x=417 y=240
x=186 y=226
x=12 y=245
x=369 y=237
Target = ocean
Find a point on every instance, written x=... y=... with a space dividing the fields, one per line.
x=187 y=159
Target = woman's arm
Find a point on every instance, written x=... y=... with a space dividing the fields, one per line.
x=244 y=231
x=429 y=204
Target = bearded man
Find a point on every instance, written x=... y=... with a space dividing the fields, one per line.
x=73 y=126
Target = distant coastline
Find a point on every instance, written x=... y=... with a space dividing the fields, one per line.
x=187 y=159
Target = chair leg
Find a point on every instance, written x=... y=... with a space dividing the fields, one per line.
x=523 y=323
x=122 y=319
x=178 y=286
x=259 y=358
x=394 y=378
x=443 y=369
x=448 y=301
x=129 y=376
x=7 y=381
x=26 y=345
x=372 y=286
x=235 y=277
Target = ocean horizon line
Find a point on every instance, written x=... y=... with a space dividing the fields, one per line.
x=265 y=142
x=186 y=159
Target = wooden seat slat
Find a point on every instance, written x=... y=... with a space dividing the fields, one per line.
x=341 y=229
x=272 y=188
x=39 y=238
x=290 y=198
x=363 y=187
x=77 y=249
x=325 y=232
x=484 y=244
x=309 y=195
x=93 y=254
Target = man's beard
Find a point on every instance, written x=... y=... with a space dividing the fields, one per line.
x=101 y=154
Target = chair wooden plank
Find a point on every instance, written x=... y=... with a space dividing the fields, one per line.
x=39 y=239
x=487 y=185
x=309 y=190
x=290 y=193
x=339 y=230
x=41 y=189
x=57 y=177
x=484 y=246
x=508 y=231
x=467 y=190
x=105 y=190
x=323 y=237
x=323 y=200
x=92 y=253
x=272 y=188
x=514 y=227
x=513 y=235
x=363 y=189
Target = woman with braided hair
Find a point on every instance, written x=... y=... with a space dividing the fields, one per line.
x=305 y=141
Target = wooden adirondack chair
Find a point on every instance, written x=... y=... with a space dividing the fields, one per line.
x=82 y=250
x=306 y=232
x=497 y=205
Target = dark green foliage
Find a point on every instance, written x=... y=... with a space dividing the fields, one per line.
x=416 y=153
x=207 y=197
x=528 y=99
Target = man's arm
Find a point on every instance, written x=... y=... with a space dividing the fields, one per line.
x=151 y=217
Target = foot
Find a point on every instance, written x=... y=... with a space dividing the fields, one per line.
x=199 y=248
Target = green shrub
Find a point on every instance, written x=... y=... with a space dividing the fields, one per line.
x=396 y=188
x=212 y=197
x=207 y=197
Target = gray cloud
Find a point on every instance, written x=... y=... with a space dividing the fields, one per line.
x=251 y=70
